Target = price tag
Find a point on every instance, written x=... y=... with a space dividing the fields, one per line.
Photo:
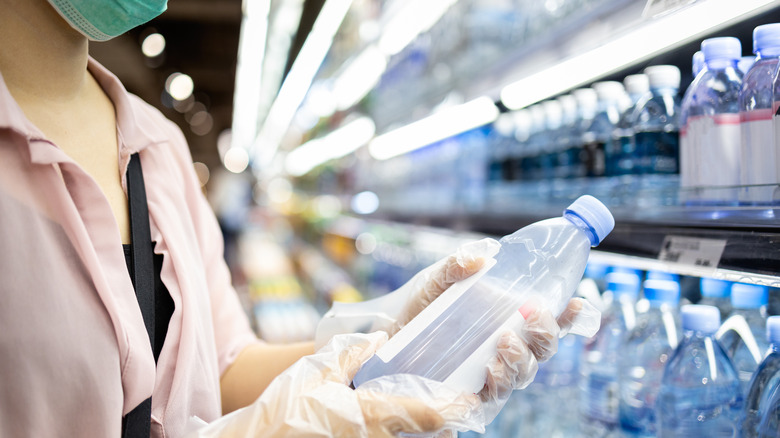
x=692 y=251
x=658 y=7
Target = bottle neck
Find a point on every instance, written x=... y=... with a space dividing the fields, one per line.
x=665 y=91
x=578 y=222
x=768 y=52
x=721 y=63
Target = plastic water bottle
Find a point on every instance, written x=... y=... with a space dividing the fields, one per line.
x=697 y=63
x=621 y=151
x=587 y=105
x=716 y=293
x=549 y=149
x=770 y=419
x=755 y=113
x=647 y=349
x=745 y=63
x=710 y=133
x=656 y=123
x=765 y=382
x=568 y=137
x=599 y=133
x=538 y=266
x=743 y=334
x=700 y=395
x=599 y=392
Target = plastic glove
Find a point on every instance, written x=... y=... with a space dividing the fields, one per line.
x=391 y=312
x=312 y=398
x=535 y=340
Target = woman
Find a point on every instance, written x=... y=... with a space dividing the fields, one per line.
x=75 y=357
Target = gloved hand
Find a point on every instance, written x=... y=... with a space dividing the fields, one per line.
x=312 y=398
x=534 y=341
x=391 y=312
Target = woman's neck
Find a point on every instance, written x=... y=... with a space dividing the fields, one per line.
x=43 y=60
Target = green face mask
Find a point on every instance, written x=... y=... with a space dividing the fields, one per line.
x=101 y=20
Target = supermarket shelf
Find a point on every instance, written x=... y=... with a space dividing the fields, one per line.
x=738 y=250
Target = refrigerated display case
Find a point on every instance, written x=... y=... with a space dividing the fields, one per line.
x=432 y=196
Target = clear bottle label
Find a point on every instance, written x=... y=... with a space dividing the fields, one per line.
x=602 y=401
x=758 y=164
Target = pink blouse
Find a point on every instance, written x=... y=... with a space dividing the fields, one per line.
x=74 y=353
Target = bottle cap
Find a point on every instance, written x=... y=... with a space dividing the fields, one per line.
x=537 y=117
x=773 y=329
x=596 y=270
x=721 y=48
x=553 y=113
x=568 y=105
x=663 y=76
x=595 y=214
x=749 y=296
x=662 y=291
x=623 y=283
x=609 y=90
x=660 y=275
x=636 y=84
x=699 y=317
x=587 y=99
x=714 y=288
x=765 y=36
x=697 y=63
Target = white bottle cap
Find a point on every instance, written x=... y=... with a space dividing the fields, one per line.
x=609 y=90
x=595 y=214
x=637 y=84
x=663 y=76
x=699 y=317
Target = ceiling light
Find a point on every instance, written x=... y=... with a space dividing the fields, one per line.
x=236 y=160
x=299 y=79
x=438 y=126
x=654 y=36
x=249 y=71
x=337 y=144
x=153 y=45
x=179 y=86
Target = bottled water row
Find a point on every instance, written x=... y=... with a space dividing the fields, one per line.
x=657 y=368
x=629 y=142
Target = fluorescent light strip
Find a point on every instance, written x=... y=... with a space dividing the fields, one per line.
x=298 y=81
x=337 y=144
x=416 y=17
x=249 y=69
x=359 y=77
x=655 y=36
x=443 y=124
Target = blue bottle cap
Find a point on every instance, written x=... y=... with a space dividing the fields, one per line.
x=765 y=36
x=595 y=214
x=749 y=296
x=773 y=329
x=596 y=270
x=662 y=291
x=699 y=317
x=721 y=48
x=713 y=288
x=660 y=275
x=623 y=283
x=697 y=63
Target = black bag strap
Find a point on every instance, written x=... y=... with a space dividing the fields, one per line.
x=137 y=423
